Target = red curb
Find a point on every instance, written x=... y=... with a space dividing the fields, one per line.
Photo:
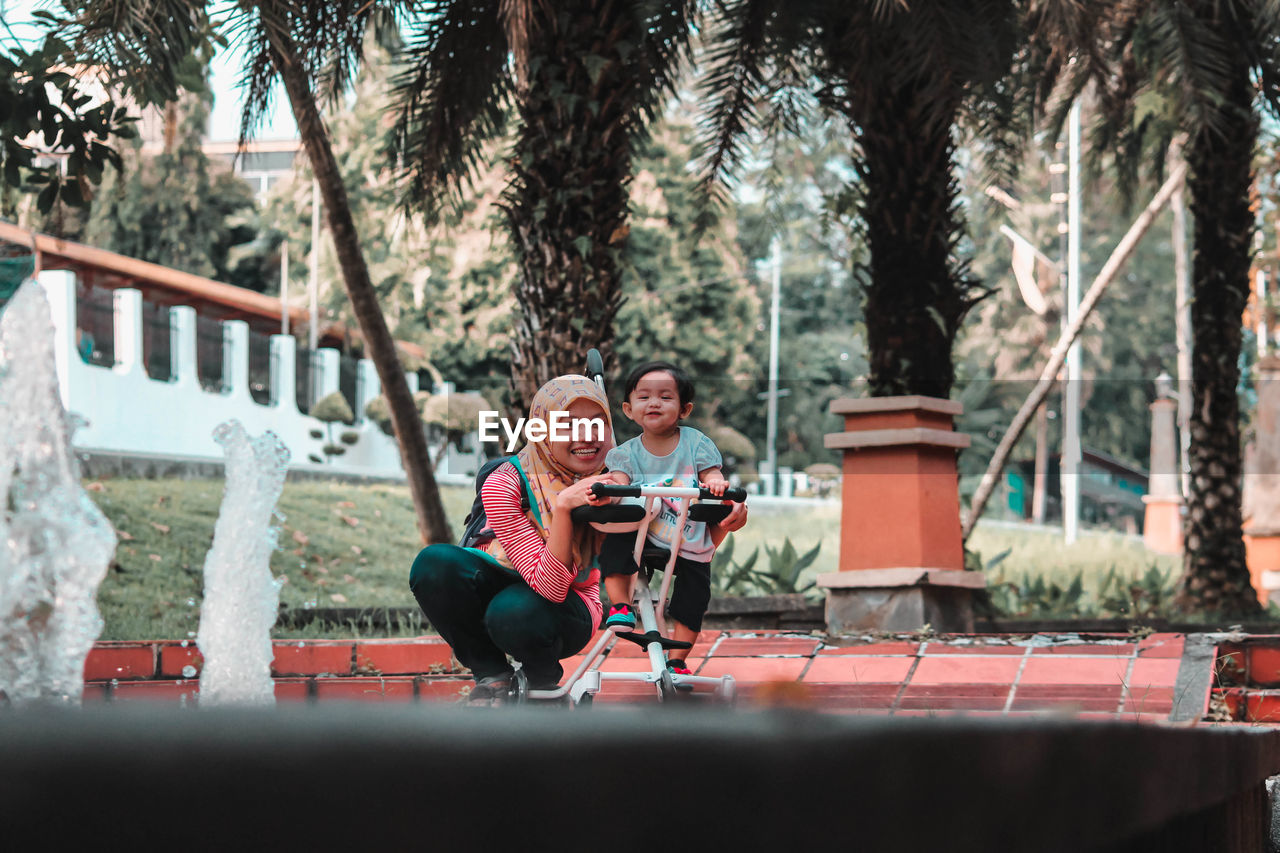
x=131 y=661
x=312 y=658
x=401 y=658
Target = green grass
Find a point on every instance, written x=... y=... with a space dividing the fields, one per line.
x=345 y=545
x=341 y=545
x=1041 y=553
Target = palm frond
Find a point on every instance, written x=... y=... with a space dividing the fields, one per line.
x=741 y=45
x=145 y=47
x=451 y=99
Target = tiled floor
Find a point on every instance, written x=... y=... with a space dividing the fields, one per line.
x=1101 y=676
x=1108 y=676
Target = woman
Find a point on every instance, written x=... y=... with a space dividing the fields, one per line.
x=534 y=594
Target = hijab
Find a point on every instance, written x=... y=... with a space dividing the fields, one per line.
x=545 y=478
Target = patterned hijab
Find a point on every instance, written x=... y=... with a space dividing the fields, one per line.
x=547 y=477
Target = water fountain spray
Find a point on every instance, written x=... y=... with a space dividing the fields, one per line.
x=55 y=544
x=241 y=598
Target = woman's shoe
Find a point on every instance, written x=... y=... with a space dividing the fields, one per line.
x=491 y=688
x=621 y=616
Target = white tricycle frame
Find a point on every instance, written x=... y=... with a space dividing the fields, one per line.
x=586 y=680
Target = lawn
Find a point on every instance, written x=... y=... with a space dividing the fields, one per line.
x=340 y=545
x=343 y=545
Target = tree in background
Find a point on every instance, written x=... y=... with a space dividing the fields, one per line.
x=688 y=299
x=143 y=45
x=901 y=77
x=44 y=108
x=799 y=195
x=1197 y=69
x=586 y=78
x=175 y=208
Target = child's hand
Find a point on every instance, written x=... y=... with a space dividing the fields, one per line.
x=714 y=482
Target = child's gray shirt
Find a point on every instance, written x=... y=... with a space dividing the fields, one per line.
x=693 y=454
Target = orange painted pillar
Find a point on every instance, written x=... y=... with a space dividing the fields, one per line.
x=901 y=552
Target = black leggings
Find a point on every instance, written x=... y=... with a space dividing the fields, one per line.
x=690 y=588
x=486 y=612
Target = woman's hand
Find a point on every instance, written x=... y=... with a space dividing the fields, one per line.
x=579 y=494
x=735 y=520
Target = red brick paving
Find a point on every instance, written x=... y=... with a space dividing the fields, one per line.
x=1110 y=677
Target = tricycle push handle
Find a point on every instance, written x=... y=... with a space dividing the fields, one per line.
x=609 y=490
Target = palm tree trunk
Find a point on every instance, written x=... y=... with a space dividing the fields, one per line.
x=566 y=206
x=915 y=292
x=405 y=420
x=1215 y=577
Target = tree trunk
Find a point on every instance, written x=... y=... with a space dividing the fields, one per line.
x=405 y=420
x=1215 y=577
x=915 y=291
x=566 y=206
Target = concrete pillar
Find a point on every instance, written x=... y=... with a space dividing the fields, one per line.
x=60 y=289
x=1262 y=484
x=1162 y=521
x=326 y=376
x=127 y=305
x=368 y=386
x=235 y=355
x=183 y=344
x=284 y=376
x=901 y=552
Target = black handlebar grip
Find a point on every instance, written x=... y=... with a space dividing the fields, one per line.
x=612 y=514
x=612 y=490
x=735 y=495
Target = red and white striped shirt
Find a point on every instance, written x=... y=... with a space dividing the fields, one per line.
x=525 y=547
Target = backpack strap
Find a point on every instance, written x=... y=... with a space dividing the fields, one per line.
x=526 y=494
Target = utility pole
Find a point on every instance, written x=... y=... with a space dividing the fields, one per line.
x=284 y=287
x=1071 y=395
x=771 y=439
x=1182 y=321
x=313 y=333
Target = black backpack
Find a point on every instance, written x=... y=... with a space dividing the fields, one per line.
x=478 y=533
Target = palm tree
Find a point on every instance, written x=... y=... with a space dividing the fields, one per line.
x=149 y=45
x=902 y=75
x=1208 y=65
x=586 y=77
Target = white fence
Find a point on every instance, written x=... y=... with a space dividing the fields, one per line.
x=129 y=412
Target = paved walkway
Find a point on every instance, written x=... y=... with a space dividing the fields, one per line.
x=1159 y=678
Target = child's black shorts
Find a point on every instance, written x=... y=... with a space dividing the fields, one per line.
x=690 y=588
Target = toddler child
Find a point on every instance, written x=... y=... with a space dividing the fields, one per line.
x=658 y=396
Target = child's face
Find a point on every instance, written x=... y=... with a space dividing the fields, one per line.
x=654 y=404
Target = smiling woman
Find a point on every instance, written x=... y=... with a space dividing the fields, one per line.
x=534 y=593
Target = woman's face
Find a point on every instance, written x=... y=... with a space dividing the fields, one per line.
x=586 y=455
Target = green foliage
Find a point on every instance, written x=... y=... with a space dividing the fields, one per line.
x=333 y=408
x=822 y=353
x=782 y=577
x=177 y=208
x=1031 y=595
x=44 y=108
